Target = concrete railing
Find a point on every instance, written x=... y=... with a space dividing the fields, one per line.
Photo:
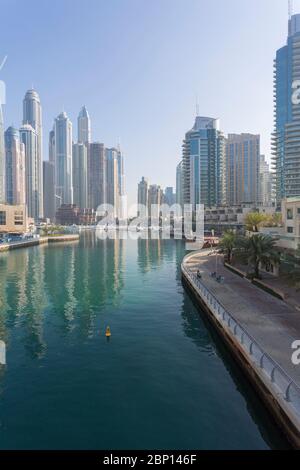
x=277 y=378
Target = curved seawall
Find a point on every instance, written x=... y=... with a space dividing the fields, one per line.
x=247 y=334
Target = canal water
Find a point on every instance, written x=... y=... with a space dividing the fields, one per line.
x=163 y=380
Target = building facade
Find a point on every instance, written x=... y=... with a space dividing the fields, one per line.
x=48 y=187
x=79 y=166
x=142 y=197
x=32 y=115
x=84 y=126
x=14 y=167
x=113 y=180
x=63 y=160
x=242 y=169
x=33 y=183
x=97 y=170
x=286 y=135
x=13 y=218
x=204 y=164
x=179 y=184
x=266 y=187
x=2 y=158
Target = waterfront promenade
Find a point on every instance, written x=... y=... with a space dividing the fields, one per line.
x=38 y=241
x=273 y=324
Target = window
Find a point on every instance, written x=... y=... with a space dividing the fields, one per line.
x=298 y=210
x=290 y=230
x=289 y=214
x=19 y=218
x=2 y=218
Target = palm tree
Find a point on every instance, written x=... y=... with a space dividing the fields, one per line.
x=227 y=243
x=254 y=220
x=256 y=250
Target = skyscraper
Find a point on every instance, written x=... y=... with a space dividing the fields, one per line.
x=169 y=196
x=242 y=168
x=32 y=115
x=33 y=184
x=15 y=167
x=52 y=146
x=63 y=160
x=154 y=201
x=48 y=187
x=84 y=126
x=143 y=197
x=179 y=184
x=122 y=214
x=203 y=164
x=2 y=158
x=286 y=135
x=79 y=165
x=266 y=195
x=113 y=180
x=97 y=170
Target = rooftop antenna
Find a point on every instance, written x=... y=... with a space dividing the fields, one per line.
x=291 y=8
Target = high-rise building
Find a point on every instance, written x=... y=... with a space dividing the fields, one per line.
x=143 y=197
x=155 y=195
x=84 y=126
x=63 y=160
x=14 y=167
x=122 y=214
x=266 y=193
x=48 y=187
x=2 y=158
x=113 y=179
x=286 y=135
x=179 y=184
x=33 y=183
x=169 y=197
x=242 y=169
x=52 y=146
x=203 y=164
x=79 y=165
x=32 y=115
x=97 y=170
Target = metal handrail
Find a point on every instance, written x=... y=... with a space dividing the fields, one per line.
x=286 y=391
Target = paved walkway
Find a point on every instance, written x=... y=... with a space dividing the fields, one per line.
x=273 y=323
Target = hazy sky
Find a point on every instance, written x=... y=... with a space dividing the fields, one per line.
x=138 y=66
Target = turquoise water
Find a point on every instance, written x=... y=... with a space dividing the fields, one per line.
x=163 y=380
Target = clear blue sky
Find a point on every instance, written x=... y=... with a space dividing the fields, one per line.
x=138 y=65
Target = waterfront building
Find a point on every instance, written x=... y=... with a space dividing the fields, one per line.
x=97 y=171
x=63 y=160
x=79 y=166
x=122 y=211
x=13 y=218
x=84 y=126
x=179 y=184
x=52 y=146
x=266 y=192
x=14 y=167
x=224 y=218
x=2 y=158
x=71 y=214
x=203 y=164
x=242 y=169
x=155 y=195
x=169 y=196
x=33 y=183
x=32 y=115
x=142 y=198
x=48 y=187
x=286 y=135
x=113 y=179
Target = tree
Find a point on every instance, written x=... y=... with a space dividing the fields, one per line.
x=256 y=250
x=255 y=220
x=227 y=243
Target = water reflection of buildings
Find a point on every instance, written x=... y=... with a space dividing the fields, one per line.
x=154 y=252
x=58 y=288
x=23 y=297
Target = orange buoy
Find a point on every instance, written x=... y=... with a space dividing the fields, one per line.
x=108 y=332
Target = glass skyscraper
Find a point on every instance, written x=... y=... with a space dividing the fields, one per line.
x=203 y=164
x=63 y=160
x=84 y=126
x=2 y=158
x=32 y=115
x=286 y=136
